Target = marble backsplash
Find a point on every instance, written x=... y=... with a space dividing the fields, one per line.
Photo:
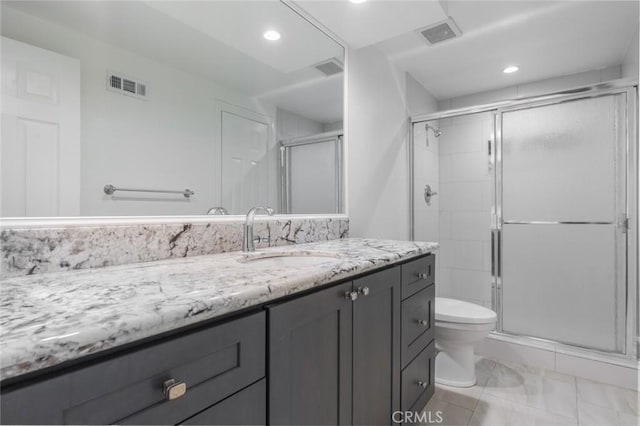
x=27 y=251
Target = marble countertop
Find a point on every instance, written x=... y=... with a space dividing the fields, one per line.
x=51 y=318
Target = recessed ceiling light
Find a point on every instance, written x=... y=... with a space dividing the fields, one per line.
x=357 y=1
x=271 y=35
x=510 y=69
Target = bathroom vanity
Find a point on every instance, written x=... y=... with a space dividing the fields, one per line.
x=337 y=332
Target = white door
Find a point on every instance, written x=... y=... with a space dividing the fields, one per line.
x=244 y=162
x=40 y=147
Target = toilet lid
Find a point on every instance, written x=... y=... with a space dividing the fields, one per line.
x=453 y=310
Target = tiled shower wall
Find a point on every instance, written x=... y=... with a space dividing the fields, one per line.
x=465 y=197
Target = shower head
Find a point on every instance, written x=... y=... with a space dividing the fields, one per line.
x=436 y=132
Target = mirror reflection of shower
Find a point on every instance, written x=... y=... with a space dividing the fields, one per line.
x=436 y=132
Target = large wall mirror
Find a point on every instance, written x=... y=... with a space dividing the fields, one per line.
x=144 y=108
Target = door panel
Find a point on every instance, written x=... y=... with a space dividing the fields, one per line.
x=40 y=148
x=564 y=162
x=563 y=192
x=313 y=178
x=310 y=359
x=376 y=348
x=244 y=162
x=560 y=284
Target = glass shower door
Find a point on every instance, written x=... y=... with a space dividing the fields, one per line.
x=563 y=198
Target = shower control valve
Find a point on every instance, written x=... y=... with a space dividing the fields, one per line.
x=428 y=193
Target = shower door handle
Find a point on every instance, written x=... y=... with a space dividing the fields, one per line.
x=428 y=193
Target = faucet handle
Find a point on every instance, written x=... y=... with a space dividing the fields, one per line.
x=260 y=239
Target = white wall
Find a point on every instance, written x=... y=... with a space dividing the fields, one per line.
x=330 y=127
x=378 y=174
x=167 y=141
x=532 y=89
x=291 y=125
x=376 y=147
x=419 y=100
x=630 y=67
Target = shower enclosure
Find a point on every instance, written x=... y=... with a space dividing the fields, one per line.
x=532 y=207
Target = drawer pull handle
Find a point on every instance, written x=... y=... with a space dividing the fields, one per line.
x=173 y=389
x=423 y=323
x=351 y=295
x=363 y=291
x=423 y=275
x=422 y=384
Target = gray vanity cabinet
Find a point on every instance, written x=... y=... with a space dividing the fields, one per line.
x=334 y=355
x=350 y=353
x=214 y=362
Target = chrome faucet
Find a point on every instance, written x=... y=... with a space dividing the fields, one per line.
x=248 y=241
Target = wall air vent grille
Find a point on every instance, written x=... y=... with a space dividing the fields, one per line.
x=441 y=31
x=330 y=67
x=118 y=83
x=129 y=86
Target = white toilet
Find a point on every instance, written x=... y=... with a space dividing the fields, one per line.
x=459 y=325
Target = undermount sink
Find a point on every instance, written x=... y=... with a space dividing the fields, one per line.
x=290 y=259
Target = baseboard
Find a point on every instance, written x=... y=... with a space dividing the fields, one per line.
x=614 y=370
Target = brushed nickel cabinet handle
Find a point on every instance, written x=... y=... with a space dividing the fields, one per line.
x=422 y=384
x=423 y=323
x=351 y=295
x=423 y=275
x=363 y=291
x=173 y=389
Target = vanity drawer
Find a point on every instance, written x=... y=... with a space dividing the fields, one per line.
x=214 y=363
x=247 y=407
x=418 y=318
x=418 y=274
x=418 y=380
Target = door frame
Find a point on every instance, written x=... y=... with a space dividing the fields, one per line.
x=632 y=179
x=627 y=271
x=222 y=107
x=285 y=166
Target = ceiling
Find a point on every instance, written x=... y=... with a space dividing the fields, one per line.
x=361 y=25
x=240 y=24
x=220 y=40
x=319 y=99
x=545 y=38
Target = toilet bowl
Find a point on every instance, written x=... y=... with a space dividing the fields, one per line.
x=459 y=325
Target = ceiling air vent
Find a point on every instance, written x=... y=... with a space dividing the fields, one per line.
x=126 y=86
x=441 y=31
x=330 y=67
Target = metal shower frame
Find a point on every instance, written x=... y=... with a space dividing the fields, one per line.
x=628 y=87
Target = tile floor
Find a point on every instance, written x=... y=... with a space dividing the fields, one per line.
x=512 y=394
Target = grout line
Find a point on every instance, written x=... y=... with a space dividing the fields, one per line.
x=575 y=381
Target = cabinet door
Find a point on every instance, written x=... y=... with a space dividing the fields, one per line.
x=213 y=362
x=376 y=348
x=310 y=359
x=247 y=407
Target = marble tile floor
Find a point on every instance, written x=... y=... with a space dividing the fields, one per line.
x=518 y=395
